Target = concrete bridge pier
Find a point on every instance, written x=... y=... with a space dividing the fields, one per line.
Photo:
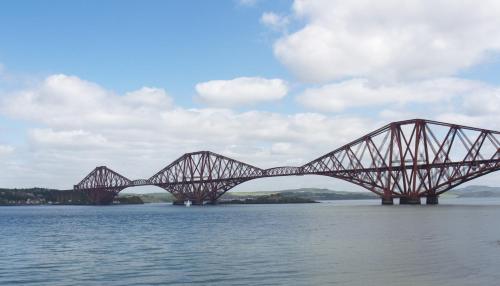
x=409 y=201
x=432 y=200
x=101 y=196
x=387 y=201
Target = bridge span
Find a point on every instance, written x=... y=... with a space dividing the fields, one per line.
x=407 y=159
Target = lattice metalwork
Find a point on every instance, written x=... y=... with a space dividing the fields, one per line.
x=102 y=185
x=406 y=159
x=284 y=171
x=414 y=158
x=203 y=176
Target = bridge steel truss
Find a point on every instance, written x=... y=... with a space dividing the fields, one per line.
x=406 y=159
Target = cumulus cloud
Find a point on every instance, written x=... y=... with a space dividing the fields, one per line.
x=385 y=60
x=62 y=100
x=6 y=149
x=384 y=39
x=73 y=139
x=486 y=101
x=474 y=96
x=139 y=132
x=241 y=91
x=391 y=61
x=247 y=2
x=79 y=124
x=274 y=21
x=149 y=97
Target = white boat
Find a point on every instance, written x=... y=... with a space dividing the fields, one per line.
x=187 y=203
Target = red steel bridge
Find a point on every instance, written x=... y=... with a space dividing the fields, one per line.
x=406 y=159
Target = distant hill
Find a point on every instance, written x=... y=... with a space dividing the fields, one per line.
x=43 y=196
x=314 y=194
x=51 y=196
x=39 y=196
x=277 y=198
x=476 y=192
x=164 y=197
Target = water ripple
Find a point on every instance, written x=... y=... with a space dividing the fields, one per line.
x=317 y=244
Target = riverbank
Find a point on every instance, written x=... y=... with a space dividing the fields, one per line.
x=42 y=196
x=270 y=199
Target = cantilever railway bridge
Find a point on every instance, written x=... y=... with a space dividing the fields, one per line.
x=406 y=159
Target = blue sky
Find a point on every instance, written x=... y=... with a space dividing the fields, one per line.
x=128 y=83
x=125 y=45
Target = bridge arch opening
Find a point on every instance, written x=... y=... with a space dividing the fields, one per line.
x=273 y=184
x=281 y=183
x=154 y=193
x=148 y=189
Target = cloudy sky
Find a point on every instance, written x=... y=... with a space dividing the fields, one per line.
x=135 y=84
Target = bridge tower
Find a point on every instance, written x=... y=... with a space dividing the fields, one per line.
x=203 y=177
x=102 y=185
x=413 y=159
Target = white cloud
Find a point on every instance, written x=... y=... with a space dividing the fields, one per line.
x=79 y=124
x=474 y=96
x=247 y=2
x=137 y=136
x=274 y=21
x=149 y=97
x=485 y=101
x=62 y=100
x=385 y=39
x=6 y=150
x=73 y=139
x=241 y=91
x=282 y=148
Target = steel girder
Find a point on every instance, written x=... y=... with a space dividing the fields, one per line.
x=102 y=185
x=413 y=158
x=406 y=159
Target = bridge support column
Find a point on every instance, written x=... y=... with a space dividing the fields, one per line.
x=409 y=201
x=432 y=200
x=387 y=198
x=387 y=201
x=101 y=197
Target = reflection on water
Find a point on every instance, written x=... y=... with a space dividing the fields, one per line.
x=347 y=243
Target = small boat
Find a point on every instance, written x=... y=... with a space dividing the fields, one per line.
x=187 y=203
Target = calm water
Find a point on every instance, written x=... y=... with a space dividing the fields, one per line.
x=344 y=243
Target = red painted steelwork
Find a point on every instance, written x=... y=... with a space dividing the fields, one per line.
x=102 y=185
x=406 y=159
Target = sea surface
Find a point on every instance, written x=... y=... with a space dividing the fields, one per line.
x=331 y=243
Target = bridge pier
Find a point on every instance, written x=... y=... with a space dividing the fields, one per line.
x=101 y=197
x=387 y=201
x=432 y=200
x=409 y=201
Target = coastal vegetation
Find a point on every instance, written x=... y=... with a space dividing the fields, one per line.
x=43 y=196
x=270 y=199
